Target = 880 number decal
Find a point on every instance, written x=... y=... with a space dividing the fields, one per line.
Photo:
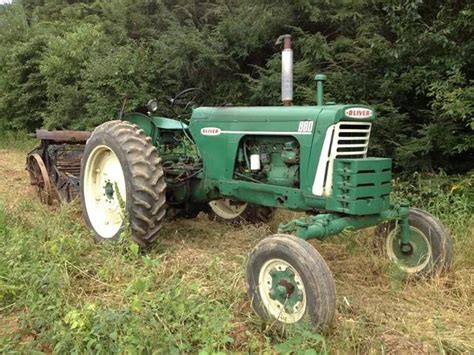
x=305 y=126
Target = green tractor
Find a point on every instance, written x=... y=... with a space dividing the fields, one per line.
x=240 y=163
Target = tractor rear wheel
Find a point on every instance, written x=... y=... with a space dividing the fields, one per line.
x=289 y=282
x=235 y=212
x=430 y=248
x=121 y=175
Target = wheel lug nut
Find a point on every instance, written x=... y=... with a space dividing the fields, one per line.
x=300 y=295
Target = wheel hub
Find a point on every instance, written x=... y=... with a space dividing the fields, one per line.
x=284 y=289
x=413 y=256
x=109 y=190
x=406 y=248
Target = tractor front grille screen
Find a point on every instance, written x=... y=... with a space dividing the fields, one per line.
x=344 y=140
x=350 y=140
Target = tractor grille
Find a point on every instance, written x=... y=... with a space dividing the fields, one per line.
x=350 y=140
x=344 y=140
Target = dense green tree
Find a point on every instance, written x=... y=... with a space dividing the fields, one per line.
x=70 y=64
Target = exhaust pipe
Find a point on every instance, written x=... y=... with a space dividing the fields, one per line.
x=286 y=69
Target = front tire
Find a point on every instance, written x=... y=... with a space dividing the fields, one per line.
x=431 y=246
x=121 y=174
x=288 y=281
x=230 y=211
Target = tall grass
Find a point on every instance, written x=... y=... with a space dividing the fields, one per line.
x=60 y=292
x=71 y=294
x=18 y=140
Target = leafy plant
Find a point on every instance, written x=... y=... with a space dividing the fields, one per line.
x=71 y=64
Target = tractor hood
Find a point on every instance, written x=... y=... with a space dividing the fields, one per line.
x=282 y=113
x=265 y=113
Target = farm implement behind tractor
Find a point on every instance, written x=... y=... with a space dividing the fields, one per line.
x=54 y=166
x=242 y=163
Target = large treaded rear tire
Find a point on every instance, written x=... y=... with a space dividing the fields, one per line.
x=144 y=179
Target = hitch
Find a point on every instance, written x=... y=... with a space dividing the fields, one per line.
x=322 y=226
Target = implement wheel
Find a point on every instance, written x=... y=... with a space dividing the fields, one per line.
x=236 y=212
x=289 y=282
x=39 y=178
x=121 y=174
x=429 y=251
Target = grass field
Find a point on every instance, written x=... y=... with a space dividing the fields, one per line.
x=60 y=292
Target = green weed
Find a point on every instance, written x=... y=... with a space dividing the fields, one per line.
x=449 y=198
x=70 y=293
x=61 y=292
x=20 y=140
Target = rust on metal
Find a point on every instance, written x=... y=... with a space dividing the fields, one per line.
x=39 y=177
x=286 y=41
x=63 y=136
x=55 y=165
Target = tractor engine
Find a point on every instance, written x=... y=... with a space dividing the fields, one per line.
x=270 y=160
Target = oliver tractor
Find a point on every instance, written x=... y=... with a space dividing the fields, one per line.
x=242 y=163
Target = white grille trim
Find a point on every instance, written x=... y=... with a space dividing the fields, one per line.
x=343 y=139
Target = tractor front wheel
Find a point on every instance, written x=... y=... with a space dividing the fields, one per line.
x=289 y=282
x=429 y=251
x=122 y=179
x=235 y=212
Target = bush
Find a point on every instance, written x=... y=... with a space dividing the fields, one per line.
x=69 y=64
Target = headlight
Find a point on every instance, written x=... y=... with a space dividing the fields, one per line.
x=152 y=105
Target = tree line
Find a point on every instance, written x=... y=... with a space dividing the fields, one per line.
x=69 y=64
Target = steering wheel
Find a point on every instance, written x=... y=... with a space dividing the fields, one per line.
x=186 y=99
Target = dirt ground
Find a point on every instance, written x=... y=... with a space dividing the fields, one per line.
x=372 y=306
x=14 y=177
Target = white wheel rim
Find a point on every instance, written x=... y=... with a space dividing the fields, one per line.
x=102 y=173
x=274 y=307
x=227 y=208
x=392 y=257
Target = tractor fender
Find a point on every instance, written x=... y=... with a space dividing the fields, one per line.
x=168 y=123
x=152 y=125
x=142 y=121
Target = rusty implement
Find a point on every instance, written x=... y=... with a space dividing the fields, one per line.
x=54 y=166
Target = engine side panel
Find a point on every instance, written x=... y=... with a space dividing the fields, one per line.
x=218 y=132
x=273 y=160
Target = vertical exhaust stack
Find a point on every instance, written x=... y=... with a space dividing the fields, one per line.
x=286 y=69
